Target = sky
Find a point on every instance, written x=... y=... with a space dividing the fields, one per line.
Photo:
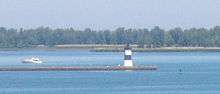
x=109 y=14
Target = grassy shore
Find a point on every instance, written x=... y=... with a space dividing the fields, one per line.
x=115 y=48
x=163 y=49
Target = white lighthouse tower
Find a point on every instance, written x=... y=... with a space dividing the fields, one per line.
x=127 y=56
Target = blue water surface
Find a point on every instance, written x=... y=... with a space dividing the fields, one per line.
x=200 y=73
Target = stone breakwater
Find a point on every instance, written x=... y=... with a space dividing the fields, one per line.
x=76 y=68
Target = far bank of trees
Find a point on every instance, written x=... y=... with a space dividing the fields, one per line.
x=156 y=37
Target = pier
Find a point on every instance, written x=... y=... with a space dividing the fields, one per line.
x=77 y=68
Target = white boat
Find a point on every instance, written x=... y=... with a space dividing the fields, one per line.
x=32 y=60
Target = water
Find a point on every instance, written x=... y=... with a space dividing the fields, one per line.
x=200 y=73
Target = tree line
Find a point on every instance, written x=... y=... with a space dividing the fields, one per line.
x=151 y=38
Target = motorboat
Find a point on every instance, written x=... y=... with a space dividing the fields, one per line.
x=32 y=60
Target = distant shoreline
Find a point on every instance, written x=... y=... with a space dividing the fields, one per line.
x=114 y=48
x=164 y=49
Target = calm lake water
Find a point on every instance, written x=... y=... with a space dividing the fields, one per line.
x=200 y=73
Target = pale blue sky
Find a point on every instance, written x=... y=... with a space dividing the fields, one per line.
x=109 y=14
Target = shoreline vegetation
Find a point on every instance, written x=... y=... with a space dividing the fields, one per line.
x=141 y=39
x=114 y=48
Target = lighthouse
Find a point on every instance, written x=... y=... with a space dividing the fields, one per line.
x=127 y=57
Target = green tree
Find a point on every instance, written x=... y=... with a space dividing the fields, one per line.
x=157 y=35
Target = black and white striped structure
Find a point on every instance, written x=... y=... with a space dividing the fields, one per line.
x=127 y=56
